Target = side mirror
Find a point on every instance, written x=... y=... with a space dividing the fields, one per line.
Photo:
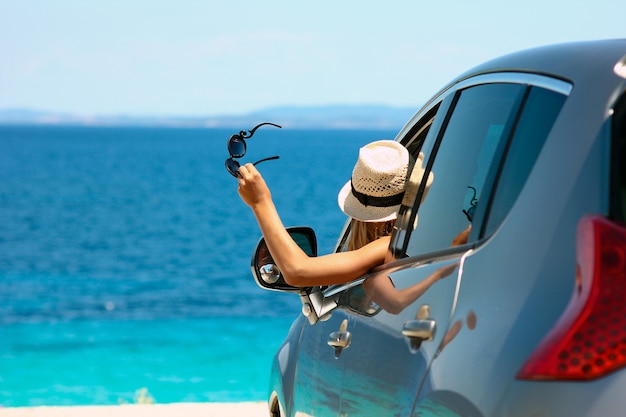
x=266 y=272
x=315 y=306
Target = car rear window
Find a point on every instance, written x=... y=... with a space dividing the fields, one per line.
x=540 y=111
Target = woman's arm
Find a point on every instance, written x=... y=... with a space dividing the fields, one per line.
x=297 y=267
x=382 y=291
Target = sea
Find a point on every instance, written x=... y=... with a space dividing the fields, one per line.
x=125 y=259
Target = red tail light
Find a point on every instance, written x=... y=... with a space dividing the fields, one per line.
x=589 y=340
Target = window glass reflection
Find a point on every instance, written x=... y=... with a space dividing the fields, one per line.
x=540 y=111
x=482 y=117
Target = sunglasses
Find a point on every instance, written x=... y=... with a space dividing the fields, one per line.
x=469 y=213
x=237 y=149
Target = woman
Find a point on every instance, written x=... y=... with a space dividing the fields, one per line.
x=371 y=198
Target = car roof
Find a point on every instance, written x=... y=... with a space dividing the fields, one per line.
x=589 y=66
x=576 y=62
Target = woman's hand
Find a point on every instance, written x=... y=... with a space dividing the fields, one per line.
x=252 y=187
x=461 y=238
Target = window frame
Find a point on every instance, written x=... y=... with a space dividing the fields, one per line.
x=617 y=180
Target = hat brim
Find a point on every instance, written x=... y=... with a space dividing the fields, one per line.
x=352 y=207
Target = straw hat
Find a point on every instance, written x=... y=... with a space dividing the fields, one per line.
x=378 y=181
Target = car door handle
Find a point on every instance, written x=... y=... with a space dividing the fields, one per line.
x=340 y=339
x=421 y=329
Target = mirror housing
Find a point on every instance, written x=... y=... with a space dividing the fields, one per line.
x=315 y=306
x=266 y=272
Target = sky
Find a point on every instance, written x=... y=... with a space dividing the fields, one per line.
x=214 y=57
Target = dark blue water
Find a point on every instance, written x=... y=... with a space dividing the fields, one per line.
x=125 y=253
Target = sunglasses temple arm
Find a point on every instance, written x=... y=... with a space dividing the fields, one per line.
x=266 y=159
x=251 y=132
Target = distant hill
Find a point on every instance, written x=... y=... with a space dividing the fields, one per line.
x=320 y=117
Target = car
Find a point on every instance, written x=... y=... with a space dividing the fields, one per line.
x=530 y=150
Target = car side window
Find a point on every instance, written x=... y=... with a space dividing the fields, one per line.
x=541 y=109
x=460 y=161
x=477 y=158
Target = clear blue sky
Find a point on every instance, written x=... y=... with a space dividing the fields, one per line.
x=192 y=57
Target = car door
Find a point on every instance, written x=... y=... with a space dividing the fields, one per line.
x=382 y=369
x=469 y=353
x=336 y=380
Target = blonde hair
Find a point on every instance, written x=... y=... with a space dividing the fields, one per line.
x=362 y=233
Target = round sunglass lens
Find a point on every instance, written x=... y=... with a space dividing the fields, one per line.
x=236 y=147
x=233 y=167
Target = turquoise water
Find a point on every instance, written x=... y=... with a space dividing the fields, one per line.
x=125 y=253
x=107 y=362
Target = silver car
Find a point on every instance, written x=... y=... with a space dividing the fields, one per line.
x=530 y=320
